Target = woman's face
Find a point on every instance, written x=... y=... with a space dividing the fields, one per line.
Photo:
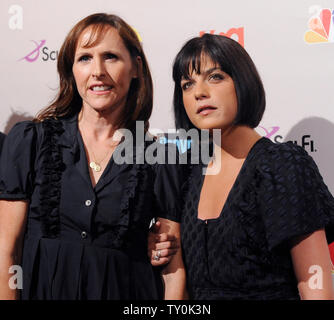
x=209 y=98
x=103 y=72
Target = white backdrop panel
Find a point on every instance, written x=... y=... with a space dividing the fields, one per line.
x=298 y=76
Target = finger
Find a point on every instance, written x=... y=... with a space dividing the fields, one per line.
x=160 y=262
x=156 y=227
x=167 y=252
x=156 y=254
x=151 y=241
x=163 y=253
x=165 y=237
x=166 y=245
x=164 y=256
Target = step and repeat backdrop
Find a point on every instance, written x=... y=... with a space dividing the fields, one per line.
x=291 y=43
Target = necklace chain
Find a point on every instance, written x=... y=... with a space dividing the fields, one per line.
x=96 y=165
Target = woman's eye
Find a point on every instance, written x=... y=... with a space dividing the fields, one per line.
x=110 y=56
x=186 y=85
x=216 y=76
x=84 y=58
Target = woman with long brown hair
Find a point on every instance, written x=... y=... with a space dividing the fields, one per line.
x=81 y=217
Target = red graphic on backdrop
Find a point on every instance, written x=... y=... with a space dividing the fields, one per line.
x=331 y=250
x=239 y=32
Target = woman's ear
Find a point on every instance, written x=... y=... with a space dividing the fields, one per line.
x=137 y=67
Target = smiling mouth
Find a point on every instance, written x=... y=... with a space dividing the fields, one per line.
x=100 y=88
x=205 y=109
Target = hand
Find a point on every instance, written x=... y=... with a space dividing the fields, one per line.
x=160 y=242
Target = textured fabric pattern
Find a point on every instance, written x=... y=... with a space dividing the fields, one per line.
x=244 y=253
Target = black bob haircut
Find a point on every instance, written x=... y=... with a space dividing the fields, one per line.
x=233 y=59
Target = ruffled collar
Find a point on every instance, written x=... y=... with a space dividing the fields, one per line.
x=69 y=137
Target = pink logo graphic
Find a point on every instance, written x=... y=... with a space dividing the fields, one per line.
x=321 y=26
x=270 y=132
x=33 y=55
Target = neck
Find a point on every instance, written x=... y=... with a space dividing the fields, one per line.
x=236 y=142
x=97 y=125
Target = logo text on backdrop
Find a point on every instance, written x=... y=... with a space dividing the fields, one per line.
x=232 y=33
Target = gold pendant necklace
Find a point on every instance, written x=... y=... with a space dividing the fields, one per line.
x=95 y=166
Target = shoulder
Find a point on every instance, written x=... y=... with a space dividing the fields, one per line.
x=22 y=126
x=284 y=149
x=287 y=167
x=24 y=130
x=28 y=133
x=287 y=155
x=292 y=195
x=27 y=127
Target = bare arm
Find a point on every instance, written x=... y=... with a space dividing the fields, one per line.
x=173 y=274
x=312 y=265
x=12 y=225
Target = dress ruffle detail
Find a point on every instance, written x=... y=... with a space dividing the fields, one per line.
x=52 y=168
x=127 y=203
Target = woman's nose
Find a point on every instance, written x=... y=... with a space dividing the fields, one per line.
x=201 y=91
x=98 y=69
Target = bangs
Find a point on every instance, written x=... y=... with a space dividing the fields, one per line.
x=97 y=33
x=192 y=58
x=230 y=57
x=190 y=62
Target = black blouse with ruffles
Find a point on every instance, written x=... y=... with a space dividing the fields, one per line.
x=245 y=253
x=83 y=242
x=2 y=139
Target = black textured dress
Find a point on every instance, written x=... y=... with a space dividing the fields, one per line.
x=244 y=253
x=83 y=242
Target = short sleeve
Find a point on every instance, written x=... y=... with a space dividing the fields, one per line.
x=293 y=197
x=17 y=162
x=169 y=181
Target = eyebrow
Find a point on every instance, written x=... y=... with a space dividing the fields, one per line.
x=206 y=72
x=110 y=51
x=85 y=51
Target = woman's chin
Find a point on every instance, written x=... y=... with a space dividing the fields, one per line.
x=103 y=109
x=213 y=123
x=208 y=125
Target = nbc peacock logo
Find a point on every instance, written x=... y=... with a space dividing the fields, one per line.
x=321 y=26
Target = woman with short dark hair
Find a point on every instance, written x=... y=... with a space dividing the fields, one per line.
x=228 y=56
x=256 y=228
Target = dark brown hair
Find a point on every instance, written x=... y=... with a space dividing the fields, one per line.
x=68 y=101
x=233 y=59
